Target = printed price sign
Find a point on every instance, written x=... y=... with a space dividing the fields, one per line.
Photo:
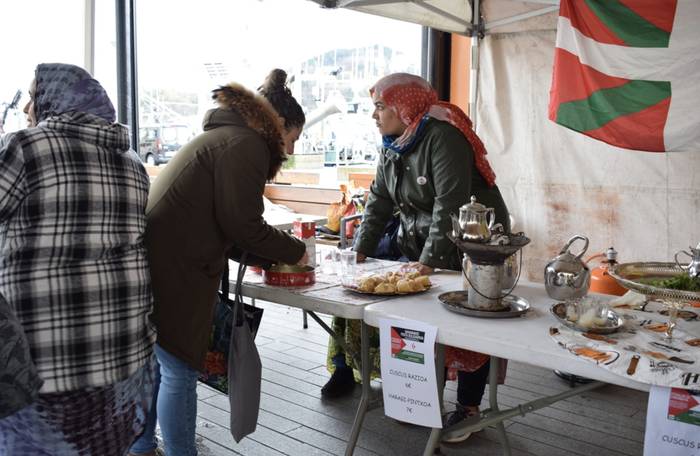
x=408 y=372
x=673 y=422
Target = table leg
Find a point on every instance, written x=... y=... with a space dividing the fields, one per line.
x=493 y=403
x=366 y=368
x=436 y=433
x=339 y=340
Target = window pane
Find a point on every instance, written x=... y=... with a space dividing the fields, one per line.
x=106 y=47
x=35 y=31
x=333 y=56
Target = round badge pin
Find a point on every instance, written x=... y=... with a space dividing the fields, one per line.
x=422 y=180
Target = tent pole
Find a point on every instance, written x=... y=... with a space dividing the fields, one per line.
x=474 y=62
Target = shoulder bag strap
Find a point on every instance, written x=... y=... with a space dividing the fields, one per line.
x=238 y=298
x=224 y=281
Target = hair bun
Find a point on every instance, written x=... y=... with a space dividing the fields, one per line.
x=275 y=81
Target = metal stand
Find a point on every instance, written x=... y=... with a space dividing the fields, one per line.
x=493 y=404
x=572 y=379
x=304 y=319
x=493 y=416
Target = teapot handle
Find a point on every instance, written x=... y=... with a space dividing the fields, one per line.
x=571 y=241
x=491 y=219
x=675 y=257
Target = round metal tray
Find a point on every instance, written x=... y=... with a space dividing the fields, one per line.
x=481 y=253
x=614 y=320
x=355 y=289
x=629 y=274
x=455 y=301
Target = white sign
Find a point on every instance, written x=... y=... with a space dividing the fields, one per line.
x=408 y=372
x=673 y=422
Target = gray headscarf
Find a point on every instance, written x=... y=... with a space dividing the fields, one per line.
x=62 y=88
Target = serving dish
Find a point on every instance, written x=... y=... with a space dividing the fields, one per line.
x=457 y=301
x=356 y=289
x=633 y=276
x=287 y=275
x=613 y=321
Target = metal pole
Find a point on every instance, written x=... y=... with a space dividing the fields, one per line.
x=426 y=54
x=435 y=433
x=493 y=403
x=127 y=81
x=89 y=37
x=474 y=73
x=366 y=390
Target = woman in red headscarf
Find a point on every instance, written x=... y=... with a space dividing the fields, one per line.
x=432 y=163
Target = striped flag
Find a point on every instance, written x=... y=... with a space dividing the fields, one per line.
x=627 y=72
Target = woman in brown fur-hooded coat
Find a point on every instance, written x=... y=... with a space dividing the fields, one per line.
x=206 y=202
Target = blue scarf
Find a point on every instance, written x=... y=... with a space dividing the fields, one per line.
x=388 y=141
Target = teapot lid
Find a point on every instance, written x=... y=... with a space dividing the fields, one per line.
x=473 y=206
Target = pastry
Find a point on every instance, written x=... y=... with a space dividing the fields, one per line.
x=385 y=288
x=404 y=286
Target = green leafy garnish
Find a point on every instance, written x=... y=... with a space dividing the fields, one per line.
x=679 y=282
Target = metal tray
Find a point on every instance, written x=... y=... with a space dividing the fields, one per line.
x=481 y=253
x=614 y=320
x=455 y=301
x=629 y=274
x=355 y=289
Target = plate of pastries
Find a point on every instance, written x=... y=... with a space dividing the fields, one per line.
x=392 y=283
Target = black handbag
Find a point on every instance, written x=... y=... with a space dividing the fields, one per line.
x=215 y=372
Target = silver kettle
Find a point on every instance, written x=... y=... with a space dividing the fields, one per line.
x=566 y=276
x=476 y=221
x=694 y=267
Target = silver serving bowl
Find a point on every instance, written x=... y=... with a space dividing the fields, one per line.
x=613 y=320
x=629 y=275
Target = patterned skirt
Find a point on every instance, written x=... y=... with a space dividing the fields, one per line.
x=91 y=421
x=456 y=359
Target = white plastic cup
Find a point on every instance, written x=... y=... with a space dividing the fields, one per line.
x=330 y=261
x=348 y=262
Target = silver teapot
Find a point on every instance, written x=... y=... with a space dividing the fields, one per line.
x=475 y=222
x=694 y=267
x=566 y=276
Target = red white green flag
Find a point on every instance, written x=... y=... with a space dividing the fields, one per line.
x=627 y=72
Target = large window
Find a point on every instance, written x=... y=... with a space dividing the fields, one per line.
x=105 y=47
x=33 y=32
x=333 y=56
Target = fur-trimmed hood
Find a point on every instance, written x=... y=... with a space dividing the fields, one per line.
x=255 y=112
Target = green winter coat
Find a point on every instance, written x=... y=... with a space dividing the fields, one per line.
x=427 y=183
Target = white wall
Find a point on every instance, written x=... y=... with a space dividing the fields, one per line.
x=558 y=183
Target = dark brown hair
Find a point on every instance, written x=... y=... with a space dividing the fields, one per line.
x=280 y=97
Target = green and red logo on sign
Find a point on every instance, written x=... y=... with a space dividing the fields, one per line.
x=684 y=406
x=404 y=342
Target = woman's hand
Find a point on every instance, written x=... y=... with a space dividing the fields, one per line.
x=421 y=268
x=361 y=257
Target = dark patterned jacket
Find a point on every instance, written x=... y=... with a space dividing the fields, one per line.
x=73 y=264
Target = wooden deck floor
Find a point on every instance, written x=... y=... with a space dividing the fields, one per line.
x=295 y=421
